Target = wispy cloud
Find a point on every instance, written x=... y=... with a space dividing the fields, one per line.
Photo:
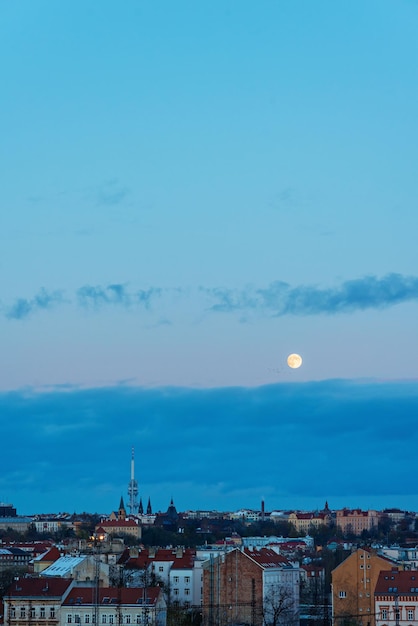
x=112 y=193
x=23 y=307
x=276 y=300
x=116 y=294
x=279 y=298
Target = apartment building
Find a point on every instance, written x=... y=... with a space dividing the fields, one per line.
x=353 y=585
x=108 y=606
x=178 y=570
x=35 y=601
x=61 y=602
x=355 y=520
x=396 y=598
x=304 y=522
x=250 y=586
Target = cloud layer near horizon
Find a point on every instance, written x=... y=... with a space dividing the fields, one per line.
x=69 y=449
x=278 y=299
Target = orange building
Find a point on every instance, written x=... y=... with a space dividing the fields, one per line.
x=355 y=520
x=353 y=586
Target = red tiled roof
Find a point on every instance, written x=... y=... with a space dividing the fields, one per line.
x=39 y=587
x=117 y=524
x=144 y=558
x=266 y=558
x=52 y=555
x=395 y=581
x=113 y=595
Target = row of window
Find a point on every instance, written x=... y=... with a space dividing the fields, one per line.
x=384 y=614
x=32 y=612
x=110 y=618
x=186 y=592
x=176 y=579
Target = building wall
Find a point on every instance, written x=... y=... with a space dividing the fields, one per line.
x=353 y=585
x=232 y=590
x=387 y=606
x=356 y=521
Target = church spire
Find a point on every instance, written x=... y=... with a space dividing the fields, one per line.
x=122 y=510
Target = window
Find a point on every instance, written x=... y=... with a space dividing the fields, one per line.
x=411 y=616
x=110 y=619
x=32 y=612
x=22 y=612
x=176 y=579
x=13 y=612
x=187 y=579
x=384 y=614
x=161 y=568
x=69 y=619
x=77 y=619
x=343 y=594
x=52 y=613
x=176 y=592
x=104 y=619
x=128 y=619
x=87 y=619
x=138 y=619
x=187 y=592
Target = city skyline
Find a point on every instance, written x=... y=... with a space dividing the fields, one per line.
x=190 y=193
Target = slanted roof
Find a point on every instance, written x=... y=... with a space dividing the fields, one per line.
x=267 y=558
x=64 y=566
x=113 y=595
x=396 y=581
x=39 y=587
x=53 y=554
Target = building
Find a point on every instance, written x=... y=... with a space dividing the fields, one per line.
x=17 y=523
x=177 y=570
x=356 y=521
x=114 y=605
x=7 y=510
x=250 y=586
x=353 y=585
x=61 y=602
x=118 y=528
x=305 y=522
x=35 y=601
x=396 y=598
x=14 y=557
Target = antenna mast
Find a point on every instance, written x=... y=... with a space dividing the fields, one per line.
x=133 y=488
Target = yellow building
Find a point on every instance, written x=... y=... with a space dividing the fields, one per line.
x=353 y=586
x=304 y=522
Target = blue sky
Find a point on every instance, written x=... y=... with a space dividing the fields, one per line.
x=190 y=192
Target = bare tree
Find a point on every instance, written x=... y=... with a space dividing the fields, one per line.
x=279 y=607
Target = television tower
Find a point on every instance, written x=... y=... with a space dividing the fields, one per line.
x=133 y=489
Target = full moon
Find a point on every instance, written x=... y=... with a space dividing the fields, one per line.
x=294 y=361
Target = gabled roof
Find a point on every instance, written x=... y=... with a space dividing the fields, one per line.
x=53 y=554
x=113 y=596
x=353 y=555
x=39 y=587
x=267 y=558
